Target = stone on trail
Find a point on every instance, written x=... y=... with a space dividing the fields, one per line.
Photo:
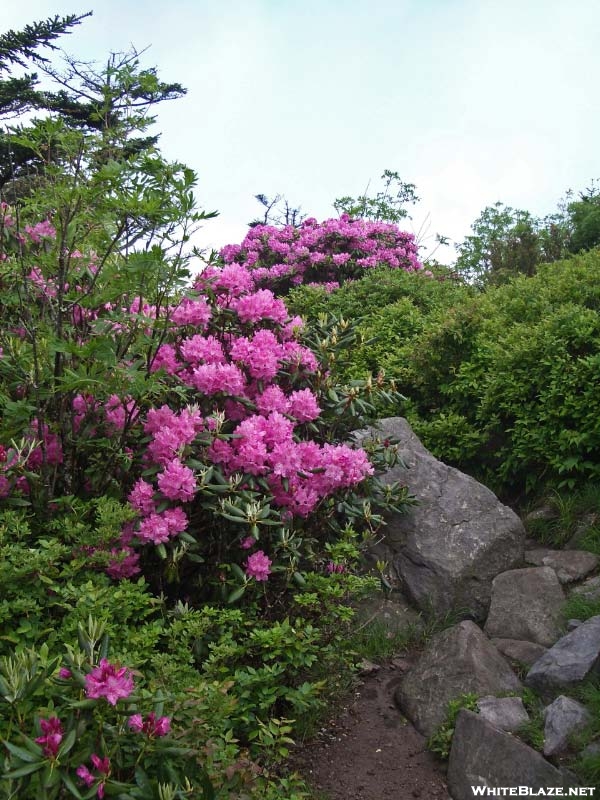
x=561 y=718
x=569 y=661
x=482 y=755
x=526 y=604
x=505 y=713
x=447 y=549
x=569 y=565
x=459 y=660
x=590 y=589
x=518 y=651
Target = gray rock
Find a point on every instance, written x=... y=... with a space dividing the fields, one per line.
x=569 y=565
x=544 y=513
x=394 y=615
x=447 y=549
x=457 y=661
x=590 y=588
x=561 y=718
x=520 y=651
x=505 y=713
x=572 y=624
x=526 y=604
x=482 y=755
x=591 y=750
x=570 y=660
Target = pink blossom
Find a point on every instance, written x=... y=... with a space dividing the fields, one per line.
x=192 y=312
x=141 y=497
x=258 y=566
x=53 y=736
x=304 y=406
x=124 y=563
x=177 y=482
x=152 y=726
x=64 y=673
x=106 y=680
x=248 y=543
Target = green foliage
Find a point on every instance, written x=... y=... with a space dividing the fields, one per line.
x=503 y=384
x=440 y=741
x=388 y=205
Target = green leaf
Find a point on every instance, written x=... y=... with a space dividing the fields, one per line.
x=234 y=596
x=24 y=755
x=26 y=770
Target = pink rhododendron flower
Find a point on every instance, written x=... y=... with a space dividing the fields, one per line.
x=248 y=542
x=107 y=680
x=141 y=497
x=304 y=405
x=152 y=726
x=52 y=736
x=177 y=482
x=64 y=673
x=102 y=766
x=258 y=566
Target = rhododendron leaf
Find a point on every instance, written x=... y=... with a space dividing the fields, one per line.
x=162 y=551
x=299 y=579
x=68 y=782
x=236 y=595
x=29 y=755
x=26 y=770
x=238 y=572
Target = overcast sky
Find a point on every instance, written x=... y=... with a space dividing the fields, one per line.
x=474 y=101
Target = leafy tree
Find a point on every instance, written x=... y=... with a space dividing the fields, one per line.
x=388 y=205
x=585 y=220
x=116 y=100
x=505 y=242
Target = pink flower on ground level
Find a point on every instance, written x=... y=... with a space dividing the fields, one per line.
x=53 y=735
x=102 y=765
x=152 y=726
x=106 y=680
x=258 y=566
x=333 y=567
x=64 y=673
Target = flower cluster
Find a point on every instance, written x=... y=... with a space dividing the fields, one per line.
x=107 y=680
x=322 y=253
x=102 y=767
x=152 y=727
x=53 y=733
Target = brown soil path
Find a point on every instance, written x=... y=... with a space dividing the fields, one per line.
x=370 y=752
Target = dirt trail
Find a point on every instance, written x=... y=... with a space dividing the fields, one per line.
x=370 y=752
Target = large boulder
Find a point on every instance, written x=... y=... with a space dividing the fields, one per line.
x=459 y=660
x=569 y=661
x=449 y=547
x=527 y=604
x=482 y=755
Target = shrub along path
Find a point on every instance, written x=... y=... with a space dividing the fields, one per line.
x=370 y=752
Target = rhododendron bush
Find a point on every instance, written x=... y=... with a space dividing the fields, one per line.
x=206 y=410
x=326 y=253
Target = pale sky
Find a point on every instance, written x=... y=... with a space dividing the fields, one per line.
x=473 y=101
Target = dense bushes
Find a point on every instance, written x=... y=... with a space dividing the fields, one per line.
x=502 y=383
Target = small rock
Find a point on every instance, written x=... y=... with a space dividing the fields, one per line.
x=569 y=565
x=367 y=667
x=526 y=604
x=505 y=713
x=520 y=651
x=592 y=749
x=570 y=660
x=589 y=588
x=561 y=718
x=572 y=624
